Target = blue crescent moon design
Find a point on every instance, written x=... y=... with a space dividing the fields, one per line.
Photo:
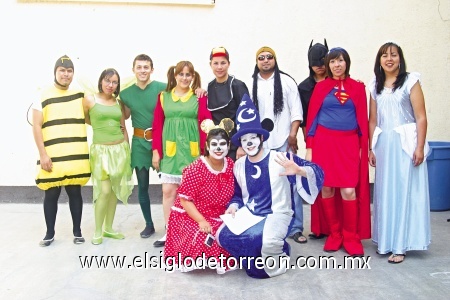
x=258 y=172
x=240 y=119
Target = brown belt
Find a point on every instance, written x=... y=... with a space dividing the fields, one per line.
x=143 y=133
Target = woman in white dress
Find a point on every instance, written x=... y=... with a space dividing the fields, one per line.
x=397 y=130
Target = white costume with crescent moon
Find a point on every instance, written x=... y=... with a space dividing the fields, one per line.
x=266 y=193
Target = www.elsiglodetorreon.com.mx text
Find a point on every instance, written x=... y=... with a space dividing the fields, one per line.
x=170 y=264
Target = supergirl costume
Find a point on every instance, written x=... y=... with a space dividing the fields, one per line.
x=111 y=162
x=401 y=197
x=176 y=132
x=210 y=191
x=337 y=133
x=223 y=101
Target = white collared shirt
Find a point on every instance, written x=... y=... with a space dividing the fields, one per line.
x=292 y=109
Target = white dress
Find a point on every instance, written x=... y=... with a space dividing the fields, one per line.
x=401 y=198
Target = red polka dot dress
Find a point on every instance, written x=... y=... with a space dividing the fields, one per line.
x=210 y=191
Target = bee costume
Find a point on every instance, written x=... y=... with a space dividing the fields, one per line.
x=65 y=140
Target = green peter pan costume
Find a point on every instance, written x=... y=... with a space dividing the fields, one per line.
x=141 y=103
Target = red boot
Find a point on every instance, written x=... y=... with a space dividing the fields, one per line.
x=352 y=242
x=334 y=240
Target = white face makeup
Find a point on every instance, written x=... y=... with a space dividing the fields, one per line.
x=218 y=149
x=251 y=143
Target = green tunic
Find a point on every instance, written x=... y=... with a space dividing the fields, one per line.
x=180 y=133
x=141 y=103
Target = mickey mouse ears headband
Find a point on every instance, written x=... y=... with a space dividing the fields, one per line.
x=226 y=124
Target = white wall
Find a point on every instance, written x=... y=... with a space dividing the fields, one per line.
x=97 y=36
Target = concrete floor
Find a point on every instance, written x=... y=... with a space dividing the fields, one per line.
x=31 y=272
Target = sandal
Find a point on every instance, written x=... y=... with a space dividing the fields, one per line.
x=391 y=258
x=298 y=237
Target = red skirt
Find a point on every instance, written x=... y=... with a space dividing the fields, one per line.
x=338 y=153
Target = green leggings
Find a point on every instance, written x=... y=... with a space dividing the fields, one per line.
x=105 y=209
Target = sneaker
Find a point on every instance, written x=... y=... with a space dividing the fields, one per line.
x=78 y=240
x=147 y=232
x=46 y=243
x=161 y=242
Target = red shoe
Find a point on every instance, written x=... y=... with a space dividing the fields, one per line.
x=334 y=240
x=352 y=242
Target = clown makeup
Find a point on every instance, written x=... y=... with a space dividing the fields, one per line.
x=218 y=147
x=251 y=143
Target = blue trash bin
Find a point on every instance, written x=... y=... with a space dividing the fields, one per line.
x=438 y=163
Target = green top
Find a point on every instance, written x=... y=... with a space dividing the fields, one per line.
x=105 y=121
x=141 y=103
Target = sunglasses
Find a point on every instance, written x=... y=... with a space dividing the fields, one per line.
x=263 y=57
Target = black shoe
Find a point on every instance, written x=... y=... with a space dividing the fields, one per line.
x=314 y=236
x=159 y=243
x=78 y=240
x=147 y=232
x=46 y=243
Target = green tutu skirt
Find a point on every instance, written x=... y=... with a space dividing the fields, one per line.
x=113 y=163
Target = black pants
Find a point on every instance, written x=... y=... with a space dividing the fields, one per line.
x=51 y=197
x=143 y=179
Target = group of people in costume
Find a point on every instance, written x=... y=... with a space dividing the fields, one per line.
x=227 y=151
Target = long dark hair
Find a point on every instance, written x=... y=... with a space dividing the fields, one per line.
x=277 y=89
x=380 y=76
x=108 y=73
